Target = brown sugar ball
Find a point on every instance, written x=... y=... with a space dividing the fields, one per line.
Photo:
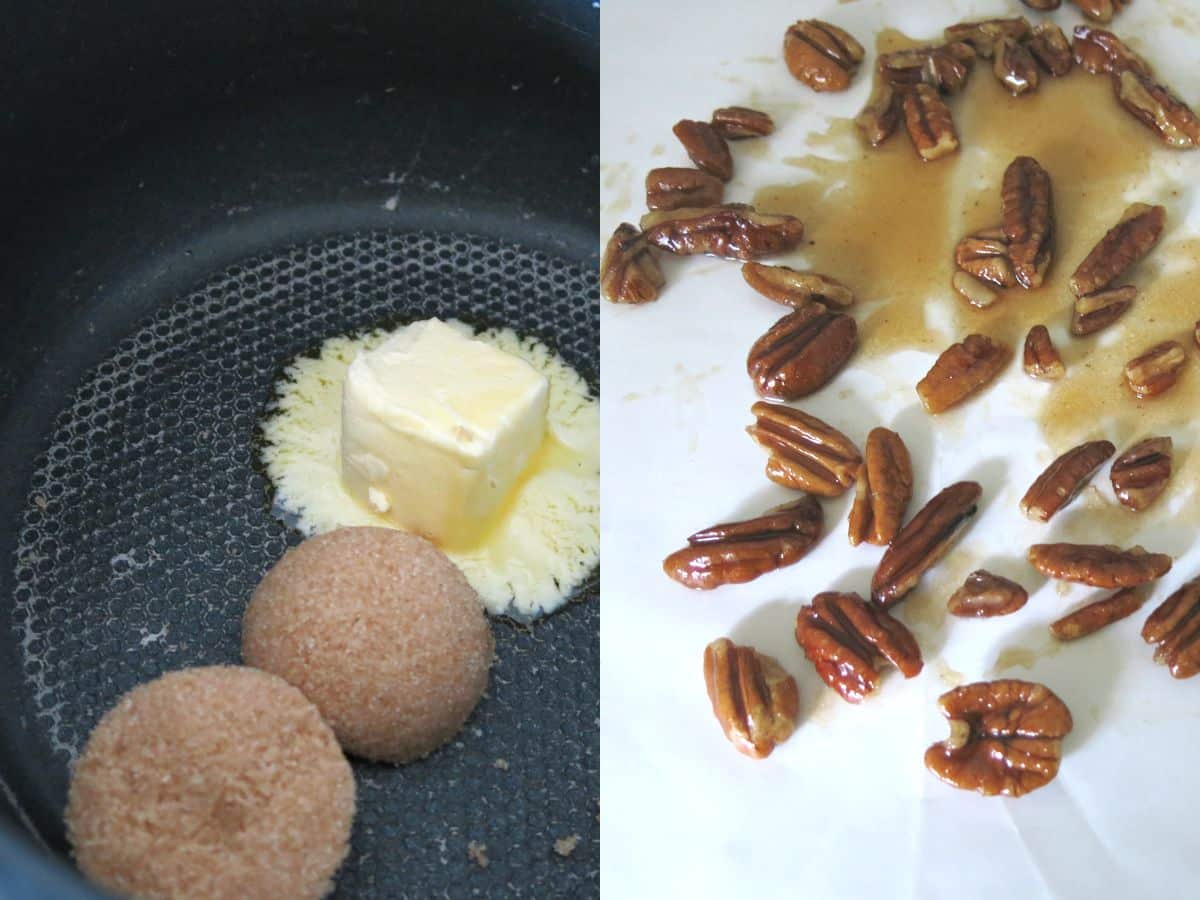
x=215 y=782
x=381 y=631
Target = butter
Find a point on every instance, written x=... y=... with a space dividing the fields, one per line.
x=437 y=428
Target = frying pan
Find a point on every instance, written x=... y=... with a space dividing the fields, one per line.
x=195 y=192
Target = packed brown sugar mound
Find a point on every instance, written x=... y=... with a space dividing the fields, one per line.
x=381 y=631
x=217 y=782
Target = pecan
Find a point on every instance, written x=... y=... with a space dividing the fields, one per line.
x=984 y=35
x=1005 y=737
x=1100 y=51
x=705 y=147
x=984 y=595
x=1158 y=108
x=753 y=698
x=821 y=55
x=1014 y=67
x=1051 y=49
x=923 y=541
x=1099 y=310
x=736 y=123
x=1140 y=474
x=974 y=291
x=806 y=454
x=944 y=67
x=1099 y=565
x=881 y=115
x=1100 y=10
x=1156 y=370
x=1128 y=241
x=929 y=123
x=732 y=231
x=794 y=288
x=984 y=255
x=883 y=490
x=736 y=552
x=1064 y=479
x=960 y=371
x=1196 y=334
x=629 y=273
x=801 y=352
x=849 y=640
x=674 y=187
x=1041 y=356
x=1175 y=627
x=1042 y=5
x=1027 y=209
x=1097 y=614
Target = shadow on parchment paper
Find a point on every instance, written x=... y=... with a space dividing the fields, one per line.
x=992 y=475
x=916 y=430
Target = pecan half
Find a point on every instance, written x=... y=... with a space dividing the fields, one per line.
x=1042 y=360
x=984 y=595
x=974 y=291
x=1140 y=474
x=736 y=123
x=1099 y=310
x=960 y=371
x=794 y=288
x=1005 y=737
x=1134 y=236
x=945 y=67
x=883 y=489
x=881 y=115
x=929 y=123
x=801 y=352
x=1175 y=627
x=1156 y=370
x=736 y=552
x=1027 y=209
x=732 y=231
x=1042 y=5
x=1100 y=10
x=849 y=640
x=1014 y=67
x=1098 y=614
x=1158 y=108
x=1064 y=479
x=984 y=35
x=821 y=55
x=1099 y=565
x=705 y=147
x=1051 y=49
x=984 y=255
x=806 y=453
x=753 y=698
x=629 y=273
x=923 y=541
x=674 y=187
x=1100 y=51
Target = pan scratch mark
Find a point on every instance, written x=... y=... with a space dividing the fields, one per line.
x=561 y=23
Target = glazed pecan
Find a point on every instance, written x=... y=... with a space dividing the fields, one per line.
x=1042 y=5
x=675 y=187
x=629 y=272
x=984 y=595
x=1064 y=479
x=984 y=255
x=849 y=640
x=1005 y=737
x=806 y=454
x=923 y=541
x=1156 y=107
x=1156 y=370
x=736 y=123
x=881 y=115
x=960 y=371
x=1027 y=208
x=1103 y=566
x=794 y=288
x=984 y=35
x=1128 y=241
x=801 y=352
x=705 y=147
x=753 y=698
x=929 y=123
x=821 y=55
x=1100 y=51
x=974 y=291
x=1014 y=66
x=945 y=67
x=1051 y=49
x=1100 y=10
x=1099 y=310
x=732 y=231
x=736 y=552
x=1097 y=614
x=1041 y=356
x=1140 y=474
x=1175 y=627
x=883 y=490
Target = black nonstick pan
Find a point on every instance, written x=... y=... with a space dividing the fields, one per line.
x=194 y=192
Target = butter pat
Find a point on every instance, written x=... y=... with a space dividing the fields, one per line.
x=437 y=428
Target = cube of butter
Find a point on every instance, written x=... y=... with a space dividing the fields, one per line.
x=436 y=429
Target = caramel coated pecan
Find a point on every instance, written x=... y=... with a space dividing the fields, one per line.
x=629 y=272
x=1027 y=208
x=984 y=255
x=984 y=595
x=1005 y=737
x=929 y=123
x=801 y=352
x=1100 y=51
x=849 y=641
x=795 y=288
x=705 y=147
x=1042 y=360
x=1140 y=474
x=923 y=541
x=1103 y=566
x=1134 y=236
x=1098 y=614
x=1158 y=108
x=944 y=67
x=736 y=123
x=883 y=490
x=753 y=698
x=1051 y=49
x=736 y=552
x=1064 y=479
x=1014 y=67
x=1042 y=5
x=1156 y=370
x=975 y=292
x=1100 y=10
x=881 y=115
x=732 y=231
x=1099 y=310
x=984 y=35
x=806 y=453
x=674 y=187
x=821 y=55
x=1175 y=627
x=960 y=371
